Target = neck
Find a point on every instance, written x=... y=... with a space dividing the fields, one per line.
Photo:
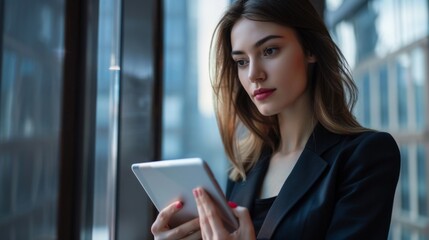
x=296 y=125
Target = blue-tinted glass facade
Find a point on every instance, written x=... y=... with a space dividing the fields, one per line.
x=386 y=44
x=189 y=125
x=32 y=58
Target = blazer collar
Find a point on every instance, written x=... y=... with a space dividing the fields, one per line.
x=321 y=140
x=307 y=170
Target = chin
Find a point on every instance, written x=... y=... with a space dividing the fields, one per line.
x=267 y=112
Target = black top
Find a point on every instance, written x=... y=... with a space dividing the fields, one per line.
x=260 y=210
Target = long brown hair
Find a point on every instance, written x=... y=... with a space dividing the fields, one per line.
x=332 y=89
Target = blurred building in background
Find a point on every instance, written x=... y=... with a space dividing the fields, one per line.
x=386 y=44
x=189 y=123
x=32 y=58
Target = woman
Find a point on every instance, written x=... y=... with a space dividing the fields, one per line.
x=304 y=168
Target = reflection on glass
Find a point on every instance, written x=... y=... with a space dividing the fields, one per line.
x=345 y=37
x=332 y=5
x=106 y=134
x=30 y=104
x=189 y=125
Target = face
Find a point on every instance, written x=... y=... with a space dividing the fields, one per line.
x=271 y=64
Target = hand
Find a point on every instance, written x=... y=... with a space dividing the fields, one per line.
x=161 y=231
x=211 y=223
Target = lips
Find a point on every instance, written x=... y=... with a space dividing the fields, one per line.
x=263 y=93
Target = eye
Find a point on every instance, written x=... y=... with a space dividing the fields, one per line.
x=270 y=51
x=241 y=63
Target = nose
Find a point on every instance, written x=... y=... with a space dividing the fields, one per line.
x=256 y=72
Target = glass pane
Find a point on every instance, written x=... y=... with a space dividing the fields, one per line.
x=106 y=119
x=384 y=97
x=381 y=26
x=404 y=180
x=189 y=125
x=366 y=35
x=333 y=5
x=406 y=234
x=30 y=104
x=365 y=96
x=402 y=14
x=422 y=188
x=418 y=74
x=402 y=65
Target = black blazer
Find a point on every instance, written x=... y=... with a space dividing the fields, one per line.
x=342 y=187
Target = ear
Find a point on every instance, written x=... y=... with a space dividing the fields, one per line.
x=311 y=58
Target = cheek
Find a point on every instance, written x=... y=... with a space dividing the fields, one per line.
x=244 y=83
x=292 y=70
x=293 y=63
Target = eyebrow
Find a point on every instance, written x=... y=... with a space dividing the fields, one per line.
x=258 y=43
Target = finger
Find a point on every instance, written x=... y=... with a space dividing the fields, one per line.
x=184 y=230
x=244 y=219
x=242 y=214
x=211 y=212
x=206 y=231
x=193 y=236
x=210 y=209
x=181 y=231
x=164 y=216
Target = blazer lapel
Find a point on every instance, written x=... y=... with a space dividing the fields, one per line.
x=306 y=171
x=245 y=192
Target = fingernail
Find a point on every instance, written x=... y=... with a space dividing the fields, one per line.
x=179 y=205
x=232 y=204
x=195 y=191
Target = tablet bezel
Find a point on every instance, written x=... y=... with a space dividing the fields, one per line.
x=168 y=181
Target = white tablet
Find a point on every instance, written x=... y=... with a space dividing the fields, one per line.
x=168 y=181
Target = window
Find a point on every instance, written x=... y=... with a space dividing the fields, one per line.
x=30 y=103
x=189 y=125
x=386 y=42
x=106 y=134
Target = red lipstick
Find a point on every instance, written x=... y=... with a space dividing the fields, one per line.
x=263 y=93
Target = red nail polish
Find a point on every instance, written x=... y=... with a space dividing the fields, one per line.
x=179 y=205
x=232 y=204
x=195 y=191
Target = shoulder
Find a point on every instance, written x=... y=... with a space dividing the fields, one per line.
x=367 y=152
x=370 y=143
x=372 y=136
x=365 y=145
